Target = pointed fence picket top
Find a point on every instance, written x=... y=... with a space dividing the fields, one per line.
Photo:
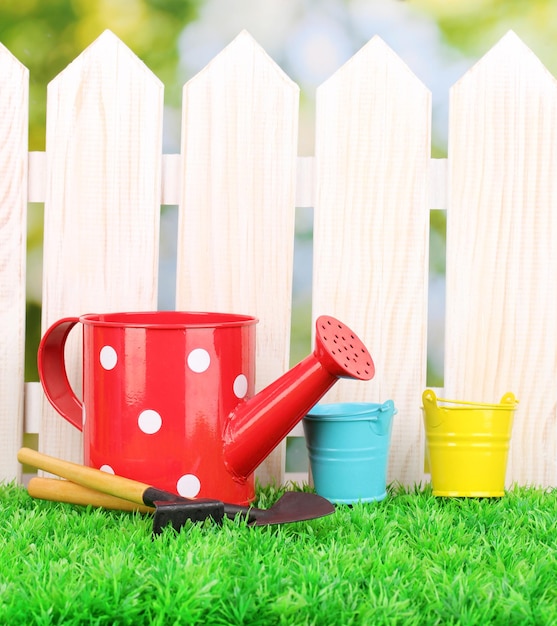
x=236 y=227
x=501 y=249
x=237 y=181
x=371 y=231
x=14 y=106
x=102 y=204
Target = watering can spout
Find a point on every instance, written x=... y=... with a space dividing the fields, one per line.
x=258 y=425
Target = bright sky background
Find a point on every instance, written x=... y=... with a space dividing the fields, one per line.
x=311 y=39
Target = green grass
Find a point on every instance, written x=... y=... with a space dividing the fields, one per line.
x=411 y=559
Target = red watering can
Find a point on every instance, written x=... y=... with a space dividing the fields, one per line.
x=168 y=395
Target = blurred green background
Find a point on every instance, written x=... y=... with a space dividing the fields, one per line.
x=309 y=39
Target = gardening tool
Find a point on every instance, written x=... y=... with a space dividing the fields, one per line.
x=169 y=508
x=168 y=395
x=292 y=506
x=57 y=490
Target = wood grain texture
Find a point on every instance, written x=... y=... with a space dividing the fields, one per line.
x=237 y=181
x=501 y=249
x=236 y=228
x=372 y=230
x=14 y=106
x=102 y=204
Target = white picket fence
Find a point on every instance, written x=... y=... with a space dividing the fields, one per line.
x=237 y=182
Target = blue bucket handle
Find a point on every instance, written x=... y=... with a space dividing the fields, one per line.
x=380 y=421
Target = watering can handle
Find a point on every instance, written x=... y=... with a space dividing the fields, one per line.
x=53 y=375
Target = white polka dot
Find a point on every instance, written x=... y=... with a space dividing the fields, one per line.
x=149 y=421
x=107 y=469
x=240 y=386
x=188 y=486
x=109 y=358
x=198 y=360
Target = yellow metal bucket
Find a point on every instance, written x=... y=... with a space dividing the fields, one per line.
x=467 y=445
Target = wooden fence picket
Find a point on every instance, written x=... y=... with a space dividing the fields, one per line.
x=14 y=107
x=501 y=318
x=371 y=232
x=102 y=204
x=236 y=230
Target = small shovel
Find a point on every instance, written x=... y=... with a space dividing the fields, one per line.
x=293 y=506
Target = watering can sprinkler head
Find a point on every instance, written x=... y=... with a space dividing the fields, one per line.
x=258 y=425
x=340 y=351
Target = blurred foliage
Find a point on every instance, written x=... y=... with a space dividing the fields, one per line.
x=32 y=339
x=437 y=244
x=474 y=26
x=300 y=330
x=46 y=35
x=437 y=264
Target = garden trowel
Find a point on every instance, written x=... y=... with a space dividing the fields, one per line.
x=169 y=508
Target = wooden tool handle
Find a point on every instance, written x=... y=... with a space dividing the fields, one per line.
x=66 y=491
x=86 y=476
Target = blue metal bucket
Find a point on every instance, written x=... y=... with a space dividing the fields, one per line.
x=348 y=445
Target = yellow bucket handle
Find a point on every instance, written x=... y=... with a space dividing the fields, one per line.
x=429 y=397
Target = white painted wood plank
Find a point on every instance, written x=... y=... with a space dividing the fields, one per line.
x=236 y=231
x=501 y=249
x=33 y=394
x=14 y=106
x=102 y=204
x=305 y=180
x=372 y=229
x=438 y=184
x=297 y=431
x=171 y=169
